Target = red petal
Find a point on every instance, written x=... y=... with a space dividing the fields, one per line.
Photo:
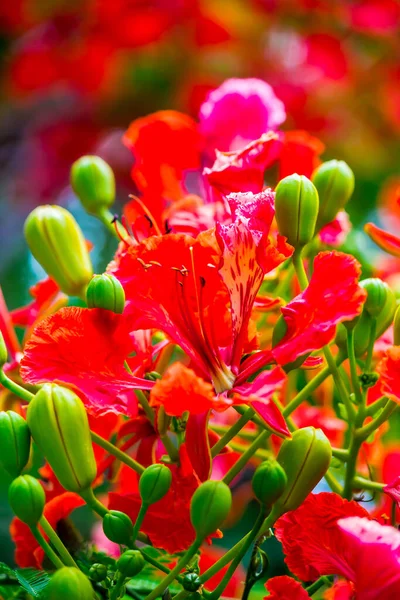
x=387 y=241
x=258 y=394
x=85 y=349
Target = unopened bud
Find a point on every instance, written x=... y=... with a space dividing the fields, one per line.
x=27 y=499
x=105 y=291
x=59 y=425
x=305 y=459
x=56 y=241
x=191 y=582
x=269 y=482
x=69 y=582
x=377 y=291
x=98 y=572
x=209 y=507
x=118 y=527
x=296 y=209
x=15 y=443
x=334 y=181
x=154 y=483
x=93 y=181
x=130 y=563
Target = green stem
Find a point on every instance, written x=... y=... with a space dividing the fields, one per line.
x=232 y=432
x=375 y=406
x=47 y=548
x=170 y=448
x=314 y=587
x=16 y=389
x=300 y=270
x=344 y=396
x=57 y=543
x=122 y=456
x=333 y=483
x=243 y=460
x=162 y=586
x=367 y=484
x=353 y=367
x=107 y=218
x=139 y=521
x=222 y=429
x=116 y=590
x=238 y=558
x=91 y=500
x=351 y=468
x=340 y=453
x=310 y=387
x=144 y=403
x=364 y=432
x=370 y=350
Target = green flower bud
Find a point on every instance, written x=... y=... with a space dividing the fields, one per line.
x=305 y=458
x=269 y=482
x=93 y=181
x=130 y=563
x=154 y=483
x=364 y=323
x=377 y=292
x=15 y=443
x=296 y=209
x=118 y=527
x=27 y=499
x=105 y=291
x=396 y=327
x=3 y=351
x=334 y=181
x=57 y=243
x=191 y=582
x=209 y=507
x=98 y=572
x=69 y=583
x=59 y=425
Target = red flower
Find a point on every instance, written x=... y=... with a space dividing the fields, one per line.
x=167 y=522
x=28 y=553
x=181 y=285
x=389 y=370
x=313 y=543
x=85 y=349
x=311 y=318
x=285 y=588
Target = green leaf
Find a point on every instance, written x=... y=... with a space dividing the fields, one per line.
x=34 y=582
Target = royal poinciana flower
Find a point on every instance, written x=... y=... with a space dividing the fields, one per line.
x=28 y=552
x=183 y=285
x=85 y=349
x=312 y=541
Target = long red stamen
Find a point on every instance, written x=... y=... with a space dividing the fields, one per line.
x=146 y=213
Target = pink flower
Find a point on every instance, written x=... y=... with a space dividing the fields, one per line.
x=255 y=101
x=372 y=557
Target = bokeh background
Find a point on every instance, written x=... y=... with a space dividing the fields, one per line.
x=75 y=73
